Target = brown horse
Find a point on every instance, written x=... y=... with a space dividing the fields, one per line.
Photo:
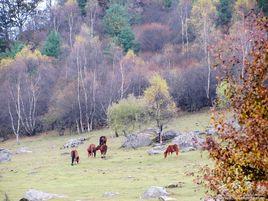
x=103 y=149
x=103 y=140
x=75 y=156
x=170 y=149
x=91 y=150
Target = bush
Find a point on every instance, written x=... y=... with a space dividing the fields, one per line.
x=153 y=37
x=127 y=115
x=188 y=89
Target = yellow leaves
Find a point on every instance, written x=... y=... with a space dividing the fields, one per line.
x=26 y=53
x=5 y=62
x=80 y=39
x=70 y=3
x=158 y=86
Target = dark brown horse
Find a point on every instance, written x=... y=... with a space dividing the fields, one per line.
x=75 y=156
x=170 y=149
x=103 y=140
x=103 y=149
x=91 y=150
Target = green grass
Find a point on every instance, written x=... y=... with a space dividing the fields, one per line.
x=128 y=172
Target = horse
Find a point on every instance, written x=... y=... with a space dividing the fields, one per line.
x=170 y=149
x=103 y=149
x=103 y=140
x=75 y=156
x=91 y=150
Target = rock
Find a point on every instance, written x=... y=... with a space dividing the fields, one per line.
x=210 y=131
x=169 y=135
x=23 y=199
x=166 y=198
x=5 y=155
x=74 y=142
x=65 y=153
x=188 y=141
x=137 y=140
x=176 y=185
x=110 y=194
x=35 y=195
x=154 y=192
x=157 y=150
x=22 y=150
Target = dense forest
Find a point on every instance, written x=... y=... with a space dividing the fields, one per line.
x=64 y=63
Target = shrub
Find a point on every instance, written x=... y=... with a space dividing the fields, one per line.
x=189 y=89
x=127 y=115
x=153 y=37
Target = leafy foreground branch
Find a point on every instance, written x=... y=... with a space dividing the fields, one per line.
x=240 y=151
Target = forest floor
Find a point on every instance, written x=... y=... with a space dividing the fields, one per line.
x=128 y=172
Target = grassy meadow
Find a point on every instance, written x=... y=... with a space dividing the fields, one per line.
x=128 y=172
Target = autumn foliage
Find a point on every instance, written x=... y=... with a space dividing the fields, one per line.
x=240 y=151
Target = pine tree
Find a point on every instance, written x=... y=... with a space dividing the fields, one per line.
x=52 y=45
x=224 y=13
x=82 y=5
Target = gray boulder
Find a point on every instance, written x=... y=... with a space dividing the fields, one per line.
x=169 y=135
x=110 y=194
x=210 y=131
x=5 y=155
x=22 y=150
x=188 y=141
x=137 y=140
x=35 y=195
x=74 y=142
x=157 y=150
x=166 y=198
x=154 y=192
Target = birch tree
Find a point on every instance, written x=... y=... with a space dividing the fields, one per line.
x=202 y=15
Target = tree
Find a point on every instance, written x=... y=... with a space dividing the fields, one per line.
x=160 y=104
x=115 y=19
x=263 y=5
x=126 y=38
x=14 y=49
x=224 y=13
x=52 y=45
x=82 y=5
x=14 y=14
x=203 y=13
x=240 y=151
x=127 y=115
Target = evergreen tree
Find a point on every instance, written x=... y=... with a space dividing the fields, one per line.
x=224 y=13
x=82 y=5
x=52 y=45
x=115 y=19
x=14 y=49
x=263 y=5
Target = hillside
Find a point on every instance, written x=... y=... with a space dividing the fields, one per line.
x=128 y=172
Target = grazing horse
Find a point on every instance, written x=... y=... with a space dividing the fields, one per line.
x=75 y=156
x=103 y=149
x=103 y=140
x=91 y=150
x=170 y=149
